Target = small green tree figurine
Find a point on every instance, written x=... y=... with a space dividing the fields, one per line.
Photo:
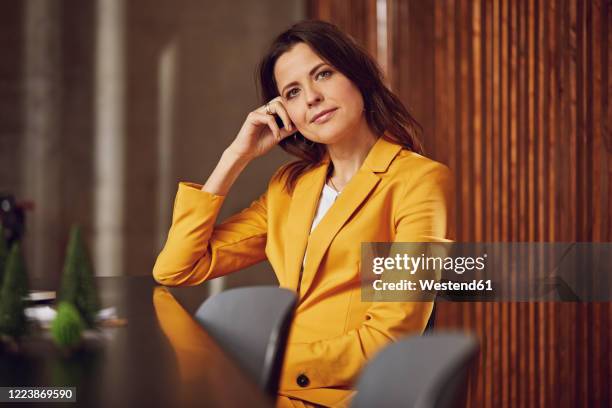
x=67 y=327
x=78 y=284
x=3 y=253
x=13 y=322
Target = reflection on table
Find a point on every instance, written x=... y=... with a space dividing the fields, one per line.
x=162 y=357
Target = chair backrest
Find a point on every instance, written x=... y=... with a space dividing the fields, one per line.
x=251 y=324
x=419 y=371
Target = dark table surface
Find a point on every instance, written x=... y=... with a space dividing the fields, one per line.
x=161 y=357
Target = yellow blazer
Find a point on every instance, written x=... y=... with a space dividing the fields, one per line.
x=396 y=195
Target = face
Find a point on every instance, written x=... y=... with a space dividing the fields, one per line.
x=322 y=103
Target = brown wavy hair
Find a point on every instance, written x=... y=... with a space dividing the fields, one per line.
x=384 y=112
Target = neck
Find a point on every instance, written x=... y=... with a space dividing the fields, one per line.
x=349 y=154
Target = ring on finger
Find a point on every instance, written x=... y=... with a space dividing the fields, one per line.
x=268 y=111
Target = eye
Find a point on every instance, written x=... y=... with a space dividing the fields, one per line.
x=291 y=93
x=323 y=74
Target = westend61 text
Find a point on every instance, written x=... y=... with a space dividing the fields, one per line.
x=431 y=284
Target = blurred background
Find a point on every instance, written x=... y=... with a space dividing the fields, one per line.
x=106 y=105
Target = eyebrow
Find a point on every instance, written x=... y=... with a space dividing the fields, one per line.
x=312 y=71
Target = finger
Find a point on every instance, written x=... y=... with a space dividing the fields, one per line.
x=275 y=106
x=263 y=109
x=280 y=110
x=285 y=133
x=273 y=126
x=288 y=132
x=258 y=118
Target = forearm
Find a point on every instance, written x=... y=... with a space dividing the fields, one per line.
x=187 y=245
x=196 y=249
x=225 y=173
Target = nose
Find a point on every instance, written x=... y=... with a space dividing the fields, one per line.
x=313 y=95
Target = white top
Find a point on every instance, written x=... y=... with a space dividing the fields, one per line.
x=328 y=196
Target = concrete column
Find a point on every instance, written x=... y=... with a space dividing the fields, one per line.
x=166 y=83
x=41 y=159
x=381 y=35
x=109 y=138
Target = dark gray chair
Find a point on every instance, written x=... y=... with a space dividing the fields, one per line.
x=420 y=371
x=252 y=325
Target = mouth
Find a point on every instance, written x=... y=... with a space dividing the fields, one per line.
x=323 y=116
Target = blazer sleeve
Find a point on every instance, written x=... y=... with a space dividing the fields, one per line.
x=425 y=215
x=196 y=250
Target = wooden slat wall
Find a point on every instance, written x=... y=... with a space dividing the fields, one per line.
x=515 y=97
x=355 y=17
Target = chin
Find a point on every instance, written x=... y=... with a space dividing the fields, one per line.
x=326 y=140
x=329 y=135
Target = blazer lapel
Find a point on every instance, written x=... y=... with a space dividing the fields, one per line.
x=347 y=202
x=353 y=195
x=299 y=220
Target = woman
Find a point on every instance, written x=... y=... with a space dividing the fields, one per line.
x=359 y=178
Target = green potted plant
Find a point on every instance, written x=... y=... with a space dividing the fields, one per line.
x=67 y=327
x=78 y=283
x=13 y=323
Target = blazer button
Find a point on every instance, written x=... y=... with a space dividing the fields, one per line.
x=303 y=381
